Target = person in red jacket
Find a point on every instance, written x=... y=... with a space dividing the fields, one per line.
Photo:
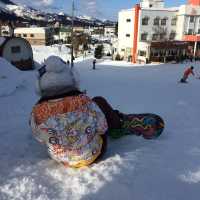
x=187 y=73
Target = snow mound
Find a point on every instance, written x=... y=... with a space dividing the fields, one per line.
x=10 y=78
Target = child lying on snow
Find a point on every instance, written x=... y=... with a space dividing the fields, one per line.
x=72 y=125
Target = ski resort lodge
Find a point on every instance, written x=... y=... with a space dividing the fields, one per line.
x=36 y=35
x=150 y=32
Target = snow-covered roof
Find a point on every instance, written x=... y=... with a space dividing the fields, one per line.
x=31 y=30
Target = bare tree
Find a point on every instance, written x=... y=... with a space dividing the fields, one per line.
x=80 y=40
x=12 y=27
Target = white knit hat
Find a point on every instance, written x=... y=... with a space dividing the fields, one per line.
x=56 y=78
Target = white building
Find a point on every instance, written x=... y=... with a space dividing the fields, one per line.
x=109 y=31
x=149 y=31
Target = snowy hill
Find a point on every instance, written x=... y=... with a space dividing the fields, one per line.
x=133 y=168
x=28 y=14
x=10 y=77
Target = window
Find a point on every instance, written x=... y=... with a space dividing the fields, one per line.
x=191 y=19
x=144 y=36
x=15 y=49
x=154 y=53
x=173 y=22
x=163 y=36
x=145 y=21
x=142 y=53
x=190 y=31
x=163 y=22
x=156 y=21
x=198 y=31
x=123 y=50
x=128 y=20
x=24 y=35
x=172 y=35
x=32 y=35
x=155 y=36
x=128 y=35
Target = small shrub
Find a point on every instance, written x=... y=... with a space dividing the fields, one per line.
x=118 y=57
x=98 y=53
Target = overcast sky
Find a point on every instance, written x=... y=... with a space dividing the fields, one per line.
x=104 y=9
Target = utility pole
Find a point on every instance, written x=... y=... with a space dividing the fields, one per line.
x=72 y=36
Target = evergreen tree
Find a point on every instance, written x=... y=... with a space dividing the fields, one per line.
x=98 y=53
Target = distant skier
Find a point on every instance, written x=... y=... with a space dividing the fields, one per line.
x=94 y=64
x=187 y=73
x=68 y=62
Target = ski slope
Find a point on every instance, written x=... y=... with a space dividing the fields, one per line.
x=133 y=168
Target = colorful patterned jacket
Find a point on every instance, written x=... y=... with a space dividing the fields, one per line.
x=71 y=127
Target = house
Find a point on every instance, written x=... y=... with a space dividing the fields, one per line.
x=144 y=30
x=18 y=51
x=64 y=34
x=36 y=35
x=79 y=29
x=6 y=31
x=109 y=31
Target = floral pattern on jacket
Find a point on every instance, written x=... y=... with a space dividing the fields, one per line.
x=71 y=127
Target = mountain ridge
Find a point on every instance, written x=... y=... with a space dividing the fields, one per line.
x=12 y=11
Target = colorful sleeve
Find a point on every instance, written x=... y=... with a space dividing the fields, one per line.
x=35 y=129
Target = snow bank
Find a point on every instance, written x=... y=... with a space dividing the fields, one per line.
x=41 y=53
x=123 y=64
x=191 y=177
x=10 y=78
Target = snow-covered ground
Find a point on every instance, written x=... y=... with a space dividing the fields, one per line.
x=133 y=168
x=10 y=78
x=40 y=53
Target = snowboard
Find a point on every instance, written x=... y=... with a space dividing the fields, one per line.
x=148 y=125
